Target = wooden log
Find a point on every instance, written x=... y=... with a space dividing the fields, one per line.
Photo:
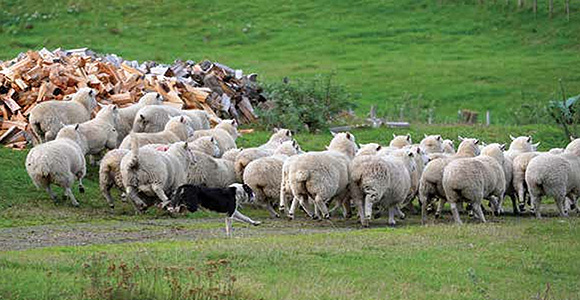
x=10 y=132
x=12 y=105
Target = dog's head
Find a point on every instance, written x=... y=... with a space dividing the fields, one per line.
x=179 y=200
x=244 y=193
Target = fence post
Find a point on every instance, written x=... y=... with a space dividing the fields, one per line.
x=568 y=10
x=535 y=5
x=551 y=7
x=487 y=118
x=520 y=3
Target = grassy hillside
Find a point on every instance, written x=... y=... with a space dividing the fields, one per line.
x=390 y=52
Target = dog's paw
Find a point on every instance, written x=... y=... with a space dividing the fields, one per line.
x=256 y=223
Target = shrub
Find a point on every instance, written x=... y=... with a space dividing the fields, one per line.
x=566 y=113
x=303 y=104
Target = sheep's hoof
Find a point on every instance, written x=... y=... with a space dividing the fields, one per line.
x=290 y=217
x=391 y=224
x=81 y=189
x=256 y=223
x=326 y=217
x=437 y=215
x=315 y=217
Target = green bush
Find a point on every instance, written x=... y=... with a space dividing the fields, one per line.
x=303 y=105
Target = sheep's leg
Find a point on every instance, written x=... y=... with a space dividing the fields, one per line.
x=292 y=208
x=391 y=221
x=319 y=202
x=440 y=206
x=229 y=226
x=560 y=202
x=51 y=193
x=368 y=208
x=399 y=213
x=135 y=199
x=536 y=199
x=306 y=209
x=455 y=213
x=242 y=218
x=106 y=191
x=425 y=201
x=68 y=193
x=81 y=186
x=158 y=190
x=478 y=212
x=272 y=211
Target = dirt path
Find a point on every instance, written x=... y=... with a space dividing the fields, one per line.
x=82 y=234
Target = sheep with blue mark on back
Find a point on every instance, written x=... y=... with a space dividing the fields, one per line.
x=177 y=129
x=127 y=114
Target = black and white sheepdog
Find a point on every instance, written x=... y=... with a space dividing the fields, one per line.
x=222 y=200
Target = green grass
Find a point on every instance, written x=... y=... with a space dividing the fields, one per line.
x=449 y=56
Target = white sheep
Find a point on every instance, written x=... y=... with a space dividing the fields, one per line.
x=100 y=132
x=127 y=114
x=264 y=175
x=322 y=176
x=430 y=184
x=232 y=154
x=400 y=141
x=110 y=174
x=152 y=118
x=175 y=130
x=225 y=133
x=518 y=146
x=211 y=172
x=59 y=162
x=432 y=144
x=382 y=180
x=249 y=154
x=555 y=176
x=448 y=146
x=368 y=149
x=154 y=173
x=473 y=179
x=206 y=144
x=48 y=117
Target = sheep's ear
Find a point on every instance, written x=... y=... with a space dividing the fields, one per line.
x=425 y=134
x=91 y=92
x=408 y=137
x=418 y=150
x=410 y=154
x=571 y=138
x=275 y=129
x=476 y=142
x=115 y=107
x=333 y=133
x=529 y=138
x=394 y=135
x=460 y=138
x=512 y=137
x=439 y=138
x=536 y=145
x=379 y=147
x=502 y=147
x=142 y=116
x=326 y=147
x=234 y=123
x=294 y=143
x=349 y=135
x=185 y=145
x=288 y=132
x=182 y=119
x=212 y=139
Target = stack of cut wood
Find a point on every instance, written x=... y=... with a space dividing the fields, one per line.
x=37 y=76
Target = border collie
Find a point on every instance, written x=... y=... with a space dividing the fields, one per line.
x=222 y=200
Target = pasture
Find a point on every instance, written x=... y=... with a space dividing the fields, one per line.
x=404 y=56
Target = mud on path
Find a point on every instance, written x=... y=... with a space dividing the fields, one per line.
x=115 y=232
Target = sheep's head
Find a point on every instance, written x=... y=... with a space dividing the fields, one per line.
x=231 y=126
x=180 y=126
x=345 y=143
x=112 y=136
x=432 y=144
x=72 y=132
x=152 y=98
x=573 y=147
x=86 y=97
x=448 y=146
x=288 y=148
x=469 y=146
x=521 y=143
x=141 y=123
x=368 y=149
x=280 y=136
x=400 y=141
x=494 y=150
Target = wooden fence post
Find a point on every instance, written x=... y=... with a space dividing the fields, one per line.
x=568 y=10
x=520 y=3
x=487 y=118
x=535 y=6
x=551 y=7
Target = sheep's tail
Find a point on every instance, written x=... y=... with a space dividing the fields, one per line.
x=300 y=178
x=134 y=163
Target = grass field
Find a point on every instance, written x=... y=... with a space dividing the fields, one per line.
x=408 y=55
x=394 y=53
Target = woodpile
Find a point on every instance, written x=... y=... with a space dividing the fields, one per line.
x=37 y=76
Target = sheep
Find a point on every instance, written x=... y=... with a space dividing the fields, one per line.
x=432 y=144
x=232 y=154
x=152 y=118
x=430 y=184
x=448 y=147
x=175 y=130
x=267 y=149
x=127 y=114
x=59 y=162
x=368 y=149
x=110 y=174
x=322 y=176
x=476 y=178
x=152 y=172
x=48 y=117
x=225 y=133
x=206 y=144
x=264 y=175
x=211 y=172
x=520 y=165
x=556 y=176
x=380 y=179
x=400 y=141
x=100 y=132
x=518 y=146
